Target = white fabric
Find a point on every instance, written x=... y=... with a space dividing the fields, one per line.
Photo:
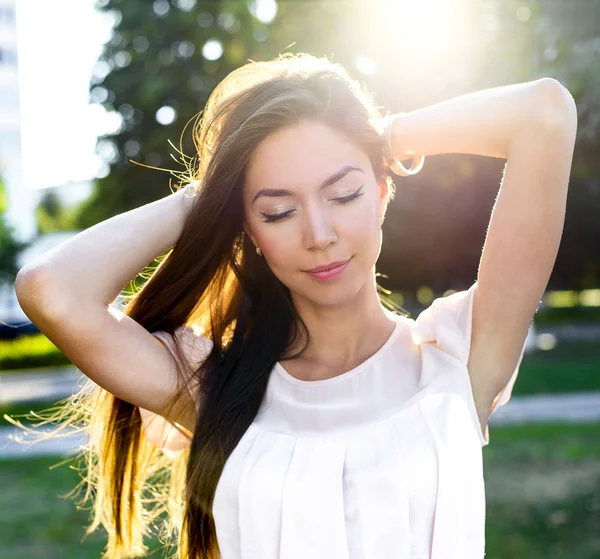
x=383 y=461
x=160 y=432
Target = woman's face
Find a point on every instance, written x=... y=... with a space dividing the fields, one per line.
x=310 y=199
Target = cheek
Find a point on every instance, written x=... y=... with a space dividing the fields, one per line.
x=363 y=225
x=272 y=245
x=276 y=245
x=366 y=212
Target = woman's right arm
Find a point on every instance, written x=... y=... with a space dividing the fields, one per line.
x=95 y=265
x=67 y=294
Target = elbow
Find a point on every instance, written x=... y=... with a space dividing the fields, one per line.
x=25 y=288
x=557 y=105
x=35 y=295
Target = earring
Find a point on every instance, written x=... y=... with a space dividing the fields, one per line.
x=258 y=251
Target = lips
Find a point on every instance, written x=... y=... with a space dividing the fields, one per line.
x=330 y=274
x=329 y=266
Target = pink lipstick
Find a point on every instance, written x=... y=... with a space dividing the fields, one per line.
x=330 y=273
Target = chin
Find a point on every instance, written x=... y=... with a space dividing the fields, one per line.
x=337 y=293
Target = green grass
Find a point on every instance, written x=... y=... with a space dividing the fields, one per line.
x=558 y=315
x=35 y=522
x=29 y=351
x=543 y=491
x=542 y=487
x=569 y=367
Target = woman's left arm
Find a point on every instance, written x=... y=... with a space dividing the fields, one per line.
x=533 y=125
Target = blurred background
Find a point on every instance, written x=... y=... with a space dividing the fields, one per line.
x=87 y=87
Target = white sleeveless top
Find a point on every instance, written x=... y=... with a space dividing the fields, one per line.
x=383 y=461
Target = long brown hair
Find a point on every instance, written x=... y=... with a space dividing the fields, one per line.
x=213 y=279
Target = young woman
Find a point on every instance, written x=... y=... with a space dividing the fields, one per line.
x=292 y=412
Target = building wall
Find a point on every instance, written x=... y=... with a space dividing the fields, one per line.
x=22 y=201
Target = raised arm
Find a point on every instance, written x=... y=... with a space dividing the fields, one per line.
x=95 y=265
x=67 y=294
x=533 y=125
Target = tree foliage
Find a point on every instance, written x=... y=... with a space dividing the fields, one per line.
x=166 y=54
x=154 y=60
x=10 y=247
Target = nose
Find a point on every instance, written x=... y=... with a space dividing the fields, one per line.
x=319 y=228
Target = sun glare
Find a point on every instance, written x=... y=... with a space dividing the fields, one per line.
x=422 y=35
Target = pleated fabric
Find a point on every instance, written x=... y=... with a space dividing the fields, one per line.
x=383 y=461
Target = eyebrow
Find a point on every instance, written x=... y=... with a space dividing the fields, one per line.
x=275 y=192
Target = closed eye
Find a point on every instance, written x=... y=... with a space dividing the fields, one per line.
x=275 y=217
x=343 y=200
x=346 y=199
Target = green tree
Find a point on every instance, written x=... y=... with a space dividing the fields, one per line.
x=164 y=56
x=51 y=216
x=155 y=62
x=10 y=247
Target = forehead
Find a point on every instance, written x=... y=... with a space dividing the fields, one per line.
x=300 y=157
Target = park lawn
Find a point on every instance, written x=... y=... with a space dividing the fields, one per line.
x=30 y=351
x=35 y=522
x=543 y=491
x=542 y=487
x=569 y=367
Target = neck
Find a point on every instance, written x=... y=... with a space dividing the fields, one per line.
x=345 y=334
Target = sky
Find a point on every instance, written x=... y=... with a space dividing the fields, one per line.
x=59 y=43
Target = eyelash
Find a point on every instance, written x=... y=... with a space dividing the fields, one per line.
x=344 y=200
